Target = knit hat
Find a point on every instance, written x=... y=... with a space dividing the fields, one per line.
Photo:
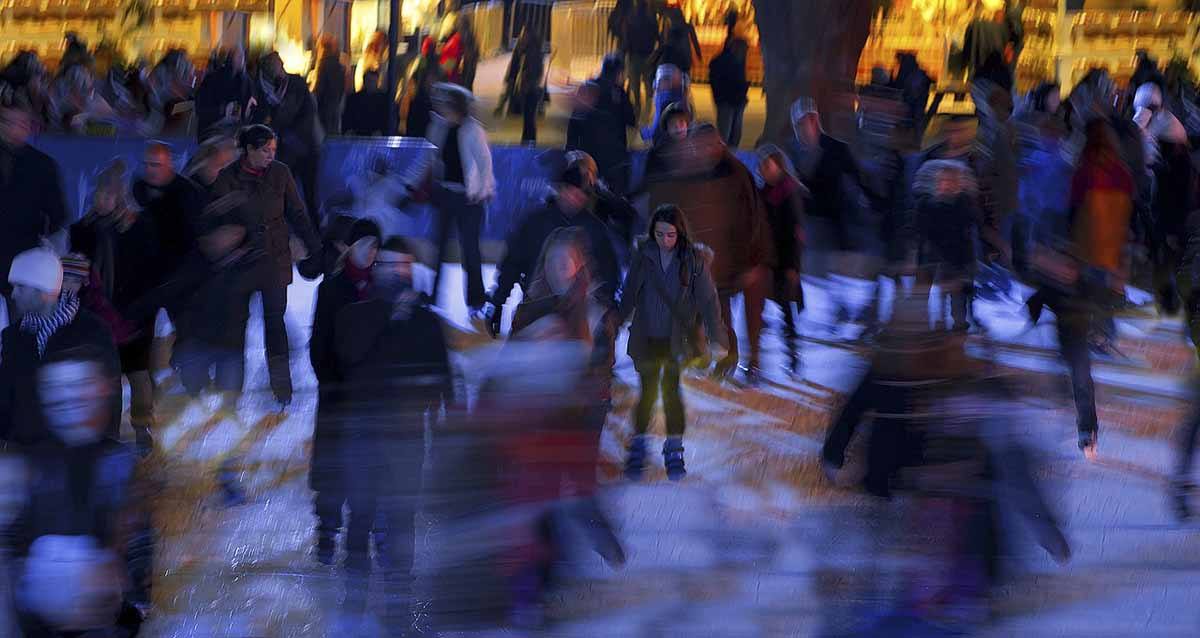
x=802 y=107
x=76 y=265
x=37 y=268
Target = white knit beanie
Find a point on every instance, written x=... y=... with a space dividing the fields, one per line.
x=37 y=268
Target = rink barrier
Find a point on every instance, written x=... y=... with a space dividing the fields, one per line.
x=522 y=175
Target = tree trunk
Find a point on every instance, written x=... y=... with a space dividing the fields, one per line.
x=810 y=48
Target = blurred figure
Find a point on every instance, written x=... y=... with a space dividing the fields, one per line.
x=330 y=87
x=947 y=225
x=174 y=204
x=470 y=57
x=259 y=194
x=367 y=108
x=394 y=370
x=568 y=207
x=449 y=49
x=172 y=94
x=828 y=168
x=784 y=196
x=679 y=44
x=720 y=199
x=913 y=83
x=44 y=324
x=74 y=103
x=32 y=204
x=27 y=78
x=599 y=125
x=1172 y=226
x=641 y=39
x=727 y=76
x=224 y=94
x=71 y=539
x=672 y=298
x=457 y=177
x=618 y=215
x=123 y=248
x=943 y=438
x=523 y=82
x=348 y=282
x=672 y=126
x=214 y=154
x=1181 y=486
x=562 y=308
x=1080 y=273
x=284 y=104
x=670 y=87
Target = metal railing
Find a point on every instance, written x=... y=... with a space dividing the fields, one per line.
x=579 y=39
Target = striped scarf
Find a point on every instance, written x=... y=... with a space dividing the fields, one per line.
x=44 y=326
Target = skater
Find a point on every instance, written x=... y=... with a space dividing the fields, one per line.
x=348 y=282
x=259 y=194
x=457 y=177
x=394 y=370
x=46 y=322
x=568 y=207
x=671 y=297
x=123 y=247
x=74 y=535
x=948 y=226
x=784 y=196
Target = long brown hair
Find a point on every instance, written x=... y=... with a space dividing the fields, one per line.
x=674 y=215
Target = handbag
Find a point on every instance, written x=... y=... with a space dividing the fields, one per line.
x=695 y=339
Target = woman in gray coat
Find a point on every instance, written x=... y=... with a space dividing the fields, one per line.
x=670 y=294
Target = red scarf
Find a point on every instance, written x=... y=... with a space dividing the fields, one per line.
x=779 y=192
x=360 y=277
x=249 y=170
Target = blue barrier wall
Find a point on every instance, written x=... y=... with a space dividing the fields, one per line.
x=345 y=179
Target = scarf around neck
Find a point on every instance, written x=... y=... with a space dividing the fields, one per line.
x=43 y=326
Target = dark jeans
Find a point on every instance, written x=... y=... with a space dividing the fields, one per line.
x=274 y=303
x=659 y=371
x=195 y=361
x=531 y=101
x=729 y=123
x=453 y=208
x=380 y=481
x=1072 y=326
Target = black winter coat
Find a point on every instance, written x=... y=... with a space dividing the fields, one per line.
x=220 y=88
x=32 y=204
x=524 y=246
x=135 y=268
x=335 y=293
x=330 y=94
x=175 y=210
x=270 y=208
x=727 y=76
x=21 y=419
x=829 y=197
x=294 y=120
x=600 y=131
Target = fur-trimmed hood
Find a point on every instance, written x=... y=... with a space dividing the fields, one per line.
x=706 y=254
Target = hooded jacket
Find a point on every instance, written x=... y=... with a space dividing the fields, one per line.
x=642 y=301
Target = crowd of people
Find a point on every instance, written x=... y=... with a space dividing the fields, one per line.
x=1054 y=192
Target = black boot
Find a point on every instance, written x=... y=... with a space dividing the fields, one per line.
x=1180 y=489
x=673 y=458
x=635 y=461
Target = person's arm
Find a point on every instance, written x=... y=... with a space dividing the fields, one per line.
x=297 y=215
x=709 y=305
x=629 y=291
x=606 y=263
x=321 y=342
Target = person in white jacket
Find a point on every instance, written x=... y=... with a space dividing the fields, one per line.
x=457 y=177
